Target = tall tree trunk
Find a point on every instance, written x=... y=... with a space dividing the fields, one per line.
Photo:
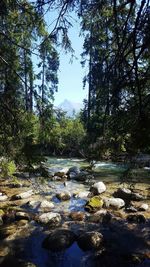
x=25 y=81
x=90 y=82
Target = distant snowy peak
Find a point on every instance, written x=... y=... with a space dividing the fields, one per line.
x=70 y=107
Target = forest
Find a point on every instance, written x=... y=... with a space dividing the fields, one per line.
x=116 y=116
x=75 y=191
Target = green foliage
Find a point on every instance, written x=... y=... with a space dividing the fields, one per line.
x=8 y=168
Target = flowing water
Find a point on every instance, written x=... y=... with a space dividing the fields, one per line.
x=25 y=238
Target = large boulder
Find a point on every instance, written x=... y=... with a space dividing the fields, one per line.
x=116 y=203
x=94 y=204
x=98 y=188
x=50 y=218
x=90 y=241
x=59 y=240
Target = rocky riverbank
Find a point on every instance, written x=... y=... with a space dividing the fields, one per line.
x=73 y=218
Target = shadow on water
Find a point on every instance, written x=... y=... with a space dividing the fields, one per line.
x=123 y=247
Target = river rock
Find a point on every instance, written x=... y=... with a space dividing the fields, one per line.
x=50 y=218
x=90 y=241
x=138 y=218
x=33 y=204
x=3 y=197
x=101 y=216
x=59 y=240
x=131 y=209
x=23 y=195
x=45 y=206
x=82 y=176
x=128 y=195
x=77 y=216
x=98 y=188
x=22 y=216
x=144 y=207
x=4 y=250
x=56 y=178
x=74 y=169
x=116 y=203
x=61 y=172
x=83 y=194
x=94 y=204
x=63 y=195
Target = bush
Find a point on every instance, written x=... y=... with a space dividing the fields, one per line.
x=7 y=168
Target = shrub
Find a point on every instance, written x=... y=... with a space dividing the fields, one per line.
x=7 y=168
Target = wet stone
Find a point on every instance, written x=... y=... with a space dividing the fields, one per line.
x=98 y=188
x=23 y=195
x=131 y=209
x=138 y=218
x=144 y=207
x=22 y=216
x=77 y=216
x=63 y=196
x=116 y=203
x=94 y=204
x=59 y=240
x=50 y=218
x=90 y=241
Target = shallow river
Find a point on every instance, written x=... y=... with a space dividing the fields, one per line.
x=24 y=238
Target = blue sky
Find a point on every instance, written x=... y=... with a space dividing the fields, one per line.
x=70 y=74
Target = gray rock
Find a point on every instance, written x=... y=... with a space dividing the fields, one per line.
x=59 y=240
x=90 y=241
x=75 y=170
x=50 y=218
x=23 y=195
x=116 y=203
x=98 y=188
x=82 y=176
x=45 y=206
x=41 y=206
x=33 y=204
